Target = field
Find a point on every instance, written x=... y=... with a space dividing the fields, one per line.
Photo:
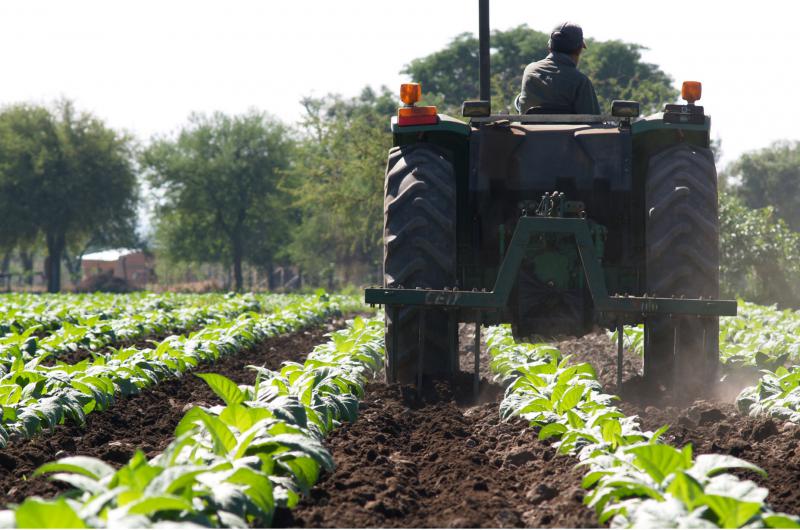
x=271 y=410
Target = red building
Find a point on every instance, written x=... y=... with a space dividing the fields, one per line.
x=131 y=265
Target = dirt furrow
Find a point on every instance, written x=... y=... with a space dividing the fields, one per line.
x=145 y=421
x=439 y=462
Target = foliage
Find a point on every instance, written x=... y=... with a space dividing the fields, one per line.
x=759 y=254
x=770 y=178
x=218 y=189
x=757 y=338
x=35 y=396
x=777 y=394
x=337 y=183
x=615 y=68
x=231 y=465
x=66 y=175
x=634 y=479
x=768 y=337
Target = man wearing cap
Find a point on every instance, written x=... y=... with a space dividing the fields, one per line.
x=554 y=85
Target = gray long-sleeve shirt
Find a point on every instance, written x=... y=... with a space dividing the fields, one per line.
x=555 y=83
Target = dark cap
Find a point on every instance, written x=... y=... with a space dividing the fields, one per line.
x=566 y=38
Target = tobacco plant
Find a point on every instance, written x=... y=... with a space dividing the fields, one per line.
x=229 y=465
x=36 y=397
x=634 y=479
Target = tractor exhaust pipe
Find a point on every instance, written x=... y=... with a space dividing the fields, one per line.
x=483 y=37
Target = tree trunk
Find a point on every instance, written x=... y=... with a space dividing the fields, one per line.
x=6 y=265
x=269 y=269
x=55 y=250
x=74 y=267
x=238 y=253
x=26 y=257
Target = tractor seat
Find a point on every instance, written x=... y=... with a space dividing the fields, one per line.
x=549 y=109
x=555 y=109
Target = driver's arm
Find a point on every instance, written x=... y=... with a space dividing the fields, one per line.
x=586 y=99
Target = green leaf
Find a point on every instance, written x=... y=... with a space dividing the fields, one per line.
x=243 y=417
x=591 y=479
x=658 y=460
x=81 y=482
x=221 y=436
x=36 y=513
x=659 y=433
x=552 y=429
x=259 y=490
x=686 y=489
x=574 y=420
x=781 y=521
x=611 y=430
x=536 y=405
x=709 y=465
x=151 y=505
x=226 y=389
x=305 y=470
x=93 y=468
x=731 y=513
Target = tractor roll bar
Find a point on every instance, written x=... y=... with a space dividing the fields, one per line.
x=483 y=36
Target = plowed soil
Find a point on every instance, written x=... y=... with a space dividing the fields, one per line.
x=441 y=462
x=443 y=459
x=145 y=421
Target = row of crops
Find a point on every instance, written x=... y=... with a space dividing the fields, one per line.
x=35 y=397
x=634 y=479
x=759 y=339
x=230 y=465
x=233 y=465
x=20 y=311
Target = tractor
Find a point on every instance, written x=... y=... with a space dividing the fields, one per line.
x=556 y=224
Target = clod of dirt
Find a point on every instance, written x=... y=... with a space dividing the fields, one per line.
x=764 y=430
x=540 y=493
x=710 y=416
x=722 y=429
x=520 y=458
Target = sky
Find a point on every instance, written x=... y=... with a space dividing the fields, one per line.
x=144 y=65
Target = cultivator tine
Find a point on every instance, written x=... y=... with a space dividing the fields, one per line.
x=421 y=353
x=676 y=354
x=391 y=369
x=476 y=382
x=620 y=336
x=452 y=334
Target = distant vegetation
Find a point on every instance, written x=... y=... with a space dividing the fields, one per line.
x=760 y=216
x=246 y=196
x=615 y=67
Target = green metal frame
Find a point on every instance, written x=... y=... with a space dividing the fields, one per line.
x=498 y=297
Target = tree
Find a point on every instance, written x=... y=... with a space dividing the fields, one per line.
x=770 y=177
x=338 y=183
x=615 y=67
x=68 y=175
x=217 y=184
x=759 y=254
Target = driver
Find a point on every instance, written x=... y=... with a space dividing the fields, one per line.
x=554 y=85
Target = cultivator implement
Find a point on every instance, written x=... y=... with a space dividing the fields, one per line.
x=477 y=306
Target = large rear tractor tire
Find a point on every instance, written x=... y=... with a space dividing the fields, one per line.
x=419 y=251
x=682 y=260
